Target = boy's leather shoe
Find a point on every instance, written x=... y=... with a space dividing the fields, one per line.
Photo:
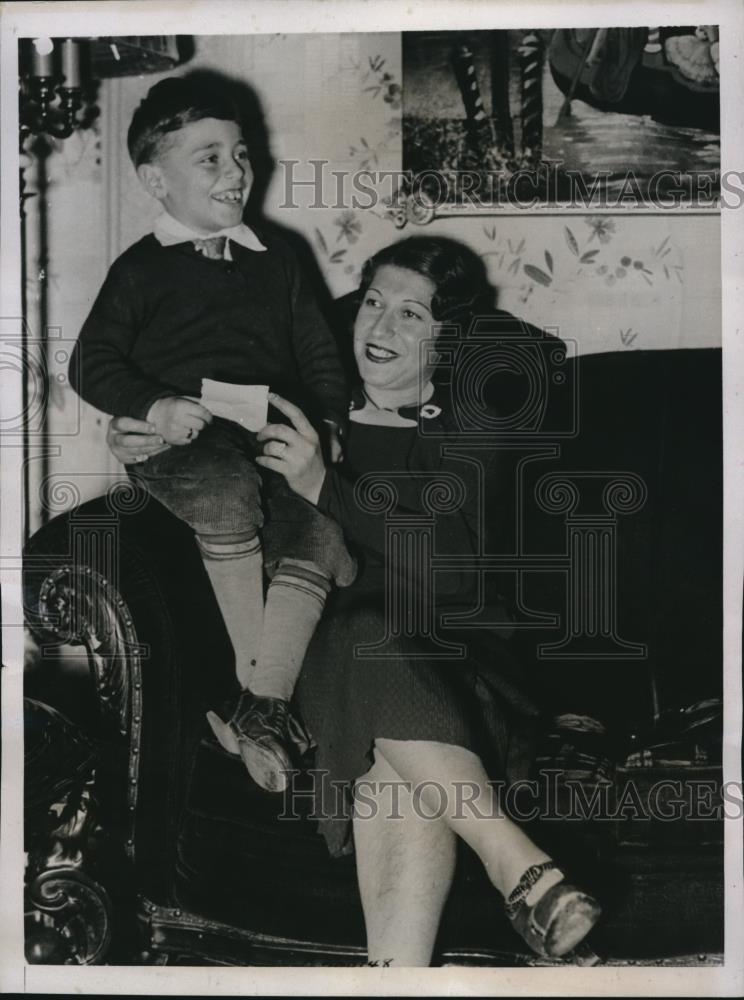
x=261 y=730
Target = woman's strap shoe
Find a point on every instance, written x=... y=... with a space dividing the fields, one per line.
x=559 y=920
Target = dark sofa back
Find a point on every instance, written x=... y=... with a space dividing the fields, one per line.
x=658 y=416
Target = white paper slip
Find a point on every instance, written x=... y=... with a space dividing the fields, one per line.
x=247 y=405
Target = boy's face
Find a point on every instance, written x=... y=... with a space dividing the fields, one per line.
x=203 y=176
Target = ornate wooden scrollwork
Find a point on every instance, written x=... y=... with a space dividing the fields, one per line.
x=173 y=932
x=176 y=934
x=68 y=912
x=79 y=606
x=68 y=918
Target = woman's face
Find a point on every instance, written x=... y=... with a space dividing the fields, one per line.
x=393 y=319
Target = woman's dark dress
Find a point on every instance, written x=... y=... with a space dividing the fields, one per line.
x=347 y=701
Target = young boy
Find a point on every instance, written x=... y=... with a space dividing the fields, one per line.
x=204 y=297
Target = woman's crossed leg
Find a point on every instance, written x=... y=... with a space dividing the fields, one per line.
x=405 y=847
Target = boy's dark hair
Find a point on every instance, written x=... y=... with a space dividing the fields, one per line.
x=457 y=273
x=169 y=106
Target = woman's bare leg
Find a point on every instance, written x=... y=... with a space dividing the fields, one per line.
x=505 y=850
x=405 y=867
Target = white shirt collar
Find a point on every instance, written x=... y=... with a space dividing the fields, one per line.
x=169 y=231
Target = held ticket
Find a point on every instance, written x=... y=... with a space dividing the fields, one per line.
x=247 y=405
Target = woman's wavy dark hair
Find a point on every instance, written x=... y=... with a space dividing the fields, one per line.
x=457 y=273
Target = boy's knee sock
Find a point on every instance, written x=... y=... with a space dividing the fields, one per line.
x=294 y=603
x=235 y=570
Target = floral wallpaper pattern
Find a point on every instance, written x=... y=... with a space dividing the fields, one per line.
x=615 y=283
x=593 y=262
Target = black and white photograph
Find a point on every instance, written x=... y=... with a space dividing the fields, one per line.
x=371 y=548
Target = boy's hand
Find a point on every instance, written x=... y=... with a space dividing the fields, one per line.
x=133 y=440
x=333 y=442
x=178 y=420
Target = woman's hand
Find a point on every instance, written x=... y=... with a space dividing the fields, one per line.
x=133 y=440
x=293 y=451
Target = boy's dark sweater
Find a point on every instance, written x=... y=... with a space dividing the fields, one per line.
x=167 y=317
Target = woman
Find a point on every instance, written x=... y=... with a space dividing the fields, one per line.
x=408 y=714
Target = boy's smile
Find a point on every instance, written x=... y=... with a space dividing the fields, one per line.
x=203 y=176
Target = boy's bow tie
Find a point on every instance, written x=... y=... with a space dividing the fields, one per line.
x=212 y=247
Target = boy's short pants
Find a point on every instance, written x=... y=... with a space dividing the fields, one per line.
x=215 y=486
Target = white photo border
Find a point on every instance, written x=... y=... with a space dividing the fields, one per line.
x=205 y=17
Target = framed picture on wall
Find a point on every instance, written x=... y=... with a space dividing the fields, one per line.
x=617 y=117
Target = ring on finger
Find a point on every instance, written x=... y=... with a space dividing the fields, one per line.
x=189 y=433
